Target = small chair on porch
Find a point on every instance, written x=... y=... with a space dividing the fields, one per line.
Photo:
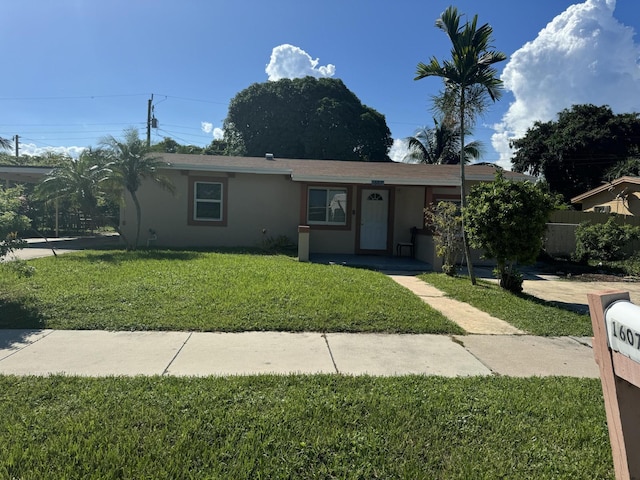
x=410 y=245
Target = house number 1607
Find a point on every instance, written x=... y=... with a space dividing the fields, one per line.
x=626 y=335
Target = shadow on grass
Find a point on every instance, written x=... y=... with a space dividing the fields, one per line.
x=16 y=315
x=572 y=307
x=120 y=256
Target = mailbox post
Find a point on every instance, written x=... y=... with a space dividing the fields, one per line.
x=616 y=347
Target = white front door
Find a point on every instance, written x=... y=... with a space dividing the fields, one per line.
x=373 y=219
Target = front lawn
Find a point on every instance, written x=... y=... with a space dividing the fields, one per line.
x=523 y=311
x=329 y=426
x=204 y=291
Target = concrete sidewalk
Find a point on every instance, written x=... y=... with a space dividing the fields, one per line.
x=101 y=353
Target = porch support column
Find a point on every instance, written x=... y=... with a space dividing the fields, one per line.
x=303 y=243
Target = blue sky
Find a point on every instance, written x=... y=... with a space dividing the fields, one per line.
x=76 y=70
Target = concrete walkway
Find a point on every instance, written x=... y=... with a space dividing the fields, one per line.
x=101 y=353
x=469 y=318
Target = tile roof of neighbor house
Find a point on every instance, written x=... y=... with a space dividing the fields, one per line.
x=390 y=173
x=606 y=186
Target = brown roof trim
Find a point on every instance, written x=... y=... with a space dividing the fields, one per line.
x=606 y=186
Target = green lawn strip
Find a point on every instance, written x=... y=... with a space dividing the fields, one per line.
x=523 y=311
x=173 y=290
x=303 y=427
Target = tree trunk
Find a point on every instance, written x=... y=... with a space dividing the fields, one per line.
x=463 y=196
x=138 y=217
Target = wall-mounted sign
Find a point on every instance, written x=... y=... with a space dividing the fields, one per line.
x=377 y=182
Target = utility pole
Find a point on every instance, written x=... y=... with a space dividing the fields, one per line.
x=149 y=107
x=15 y=138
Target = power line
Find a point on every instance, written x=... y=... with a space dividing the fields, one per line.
x=70 y=97
x=175 y=137
x=194 y=99
x=64 y=124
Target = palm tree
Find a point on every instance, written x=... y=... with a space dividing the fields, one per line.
x=628 y=167
x=469 y=76
x=440 y=145
x=77 y=180
x=5 y=143
x=129 y=163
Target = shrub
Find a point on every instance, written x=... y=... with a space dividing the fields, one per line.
x=603 y=241
x=446 y=222
x=12 y=219
x=507 y=219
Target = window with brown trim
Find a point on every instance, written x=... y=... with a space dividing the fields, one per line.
x=327 y=206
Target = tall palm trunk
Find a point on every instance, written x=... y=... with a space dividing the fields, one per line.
x=463 y=196
x=138 y=217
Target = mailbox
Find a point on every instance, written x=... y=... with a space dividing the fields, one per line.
x=616 y=347
x=622 y=320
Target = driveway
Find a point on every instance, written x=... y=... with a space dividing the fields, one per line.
x=567 y=293
x=572 y=294
x=39 y=247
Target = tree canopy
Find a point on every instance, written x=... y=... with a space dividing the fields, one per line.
x=12 y=219
x=128 y=162
x=575 y=152
x=507 y=220
x=169 y=145
x=305 y=118
x=440 y=145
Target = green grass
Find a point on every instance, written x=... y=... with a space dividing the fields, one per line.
x=187 y=290
x=523 y=311
x=303 y=427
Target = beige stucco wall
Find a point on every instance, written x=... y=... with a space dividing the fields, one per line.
x=260 y=207
x=620 y=201
x=409 y=212
x=254 y=212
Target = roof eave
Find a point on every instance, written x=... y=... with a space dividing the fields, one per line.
x=373 y=180
x=228 y=169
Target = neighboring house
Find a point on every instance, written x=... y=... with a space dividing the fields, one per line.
x=349 y=207
x=621 y=196
x=13 y=174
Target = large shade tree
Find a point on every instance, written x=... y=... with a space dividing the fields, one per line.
x=580 y=149
x=129 y=163
x=470 y=81
x=305 y=118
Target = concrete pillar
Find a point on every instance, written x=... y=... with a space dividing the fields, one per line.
x=303 y=243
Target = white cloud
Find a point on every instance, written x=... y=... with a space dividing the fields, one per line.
x=399 y=149
x=207 y=127
x=33 y=150
x=584 y=55
x=288 y=61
